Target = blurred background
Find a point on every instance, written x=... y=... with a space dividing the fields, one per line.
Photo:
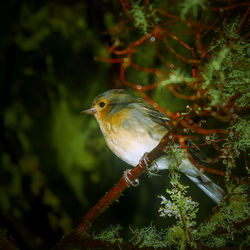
x=55 y=164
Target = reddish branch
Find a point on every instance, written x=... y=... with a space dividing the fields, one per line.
x=113 y=195
x=122 y=184
x=230 y=7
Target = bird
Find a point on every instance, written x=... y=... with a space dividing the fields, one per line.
x=132 y=127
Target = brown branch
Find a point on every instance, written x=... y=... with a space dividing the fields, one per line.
x=223 y=8
x=173 y=51
x=122 y=184
x=113 y=194
x=126 y=7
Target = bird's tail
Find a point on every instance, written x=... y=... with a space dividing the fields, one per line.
x=193 y=173
x=202 y=181
x=209 y=187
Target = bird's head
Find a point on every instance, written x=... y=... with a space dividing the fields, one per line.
x=109 y=103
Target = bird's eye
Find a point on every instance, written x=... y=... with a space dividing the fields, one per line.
x=102 y=104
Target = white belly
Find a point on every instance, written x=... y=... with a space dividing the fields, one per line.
x=131 y=148
x=130 y=143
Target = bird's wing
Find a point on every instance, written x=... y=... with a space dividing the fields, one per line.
x=196 y=152
x=156 y=115
x=161 y=119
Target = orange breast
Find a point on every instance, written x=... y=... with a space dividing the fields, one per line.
x=126 y=137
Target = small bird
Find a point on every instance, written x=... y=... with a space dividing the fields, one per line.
x=132 y=127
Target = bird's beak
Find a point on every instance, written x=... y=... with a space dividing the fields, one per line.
x=90 y=111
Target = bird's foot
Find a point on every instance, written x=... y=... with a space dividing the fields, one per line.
x=134 y=183
x=154 y=169
x=144 y=160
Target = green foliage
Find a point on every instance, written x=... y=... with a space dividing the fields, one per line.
x=223 y=226
x=228 y=222
x=46 y=165
x=144 y=18
x=148 y=237
x=69 y=140
x=175 y=156
x=182 y=208
x=110 y=234
x=238 y=141
x=227 y=73
x=51 y=18
x=226 y=76
x=240 y=136
x=176 y=76
x=192 y=7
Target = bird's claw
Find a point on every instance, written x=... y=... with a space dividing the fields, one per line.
x=155 y=167
x=144 y=160
x=134 y=183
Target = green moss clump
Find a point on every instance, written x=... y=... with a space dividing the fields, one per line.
x=110 y=234
x=143 y=18
x=227 y=73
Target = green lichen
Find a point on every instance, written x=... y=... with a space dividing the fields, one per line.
x=143 y=18
x=148 y=237
x=191 y=7
x=110 y=234
x=227 y=73
x=229 y=222
x=241 y=135
x=176 y=76
x=182 y=208
x=237 y=141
